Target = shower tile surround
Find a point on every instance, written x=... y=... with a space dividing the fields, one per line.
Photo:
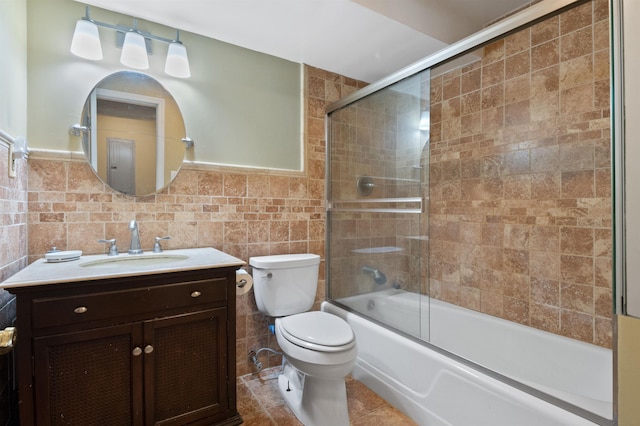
x=520 y=179
x=243 y=212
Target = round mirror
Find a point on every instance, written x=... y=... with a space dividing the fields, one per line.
x=132 y=133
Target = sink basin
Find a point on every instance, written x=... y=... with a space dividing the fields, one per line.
x=134 y=261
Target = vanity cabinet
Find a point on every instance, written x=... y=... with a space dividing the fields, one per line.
x=144 y=350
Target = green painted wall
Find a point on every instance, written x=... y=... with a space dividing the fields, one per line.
x=13 y=67
x=241 y=107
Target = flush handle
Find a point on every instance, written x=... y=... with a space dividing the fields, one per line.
x=269 y=275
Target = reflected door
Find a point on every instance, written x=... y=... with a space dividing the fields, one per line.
x=121 y=165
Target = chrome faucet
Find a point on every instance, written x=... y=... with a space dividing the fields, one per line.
x=378 y=277
x=134 y=247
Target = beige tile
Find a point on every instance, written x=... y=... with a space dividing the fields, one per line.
x=260 y=403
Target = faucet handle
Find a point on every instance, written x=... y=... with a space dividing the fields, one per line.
x=157 y=248
x=113 y=249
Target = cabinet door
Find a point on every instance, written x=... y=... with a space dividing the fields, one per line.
x=185 y=368
x=89 y=377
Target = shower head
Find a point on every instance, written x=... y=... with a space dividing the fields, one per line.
x=378 y=277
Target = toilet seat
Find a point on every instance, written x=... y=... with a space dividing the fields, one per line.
x=317 y=331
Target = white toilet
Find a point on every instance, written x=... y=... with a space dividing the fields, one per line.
x=319 y=348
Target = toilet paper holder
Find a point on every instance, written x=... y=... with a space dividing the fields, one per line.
x=244 y=282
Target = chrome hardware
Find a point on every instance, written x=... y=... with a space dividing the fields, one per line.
x=8 y=338
x=365 y=186
x=80 y=310
x=269 y=275
x=157 y=248
x=113 y=249
x=196 y=294
x=78 y=130
x=148 y=349
x=53 y=249
x=134 y=247
x=253 y=357
x=188 y=142
x=378 y=277
x=137 y=351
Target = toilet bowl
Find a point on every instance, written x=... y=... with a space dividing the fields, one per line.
x=312 y=382
x=319 y=348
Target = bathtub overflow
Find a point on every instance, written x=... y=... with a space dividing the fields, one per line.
x=371 y=305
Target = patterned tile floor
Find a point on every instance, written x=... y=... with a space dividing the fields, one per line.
x=260 y=403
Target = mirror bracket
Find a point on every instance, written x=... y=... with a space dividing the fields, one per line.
x=77 y=129
x=188 y=142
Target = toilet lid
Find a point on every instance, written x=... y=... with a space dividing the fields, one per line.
x=316 y=328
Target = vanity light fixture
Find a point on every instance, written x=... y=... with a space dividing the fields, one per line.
x=86 y=44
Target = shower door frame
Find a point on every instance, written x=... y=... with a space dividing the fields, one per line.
x=535 y=13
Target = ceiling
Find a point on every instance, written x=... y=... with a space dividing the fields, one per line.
x=361 y=39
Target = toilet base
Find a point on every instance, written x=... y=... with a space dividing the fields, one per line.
x=313 y=400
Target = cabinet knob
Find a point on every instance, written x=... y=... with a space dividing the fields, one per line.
x=148 y=349
x=80 y=310
x=137 y=351
x=196 y=294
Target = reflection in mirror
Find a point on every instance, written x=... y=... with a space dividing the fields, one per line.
x=134 y=133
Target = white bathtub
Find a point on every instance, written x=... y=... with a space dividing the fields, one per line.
x=436 y=389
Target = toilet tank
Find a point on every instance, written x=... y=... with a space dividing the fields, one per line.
x=285 y=284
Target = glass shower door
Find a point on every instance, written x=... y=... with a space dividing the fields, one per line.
x=377 y=222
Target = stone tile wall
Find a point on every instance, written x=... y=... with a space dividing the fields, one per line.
x=13 y=228
x=520 y=214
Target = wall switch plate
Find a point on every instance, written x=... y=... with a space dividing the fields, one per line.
x=12 y=162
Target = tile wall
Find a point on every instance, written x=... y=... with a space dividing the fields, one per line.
x=521 y=198
x=13 y=227
x=243 y=212
x=13 y=257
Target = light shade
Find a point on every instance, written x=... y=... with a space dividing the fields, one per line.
x=134 y=51
x=86 y=41
x=177 y=64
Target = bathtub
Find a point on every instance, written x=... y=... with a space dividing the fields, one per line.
x=436 y=388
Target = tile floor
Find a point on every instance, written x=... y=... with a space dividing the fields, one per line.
x=260 y=403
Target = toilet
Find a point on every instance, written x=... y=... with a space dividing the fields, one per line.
x=319 y=348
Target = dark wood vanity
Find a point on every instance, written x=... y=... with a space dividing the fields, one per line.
x=156 y=349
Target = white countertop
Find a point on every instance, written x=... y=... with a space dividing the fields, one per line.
x=42 y=272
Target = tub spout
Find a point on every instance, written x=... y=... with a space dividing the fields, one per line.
x=378 y=277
